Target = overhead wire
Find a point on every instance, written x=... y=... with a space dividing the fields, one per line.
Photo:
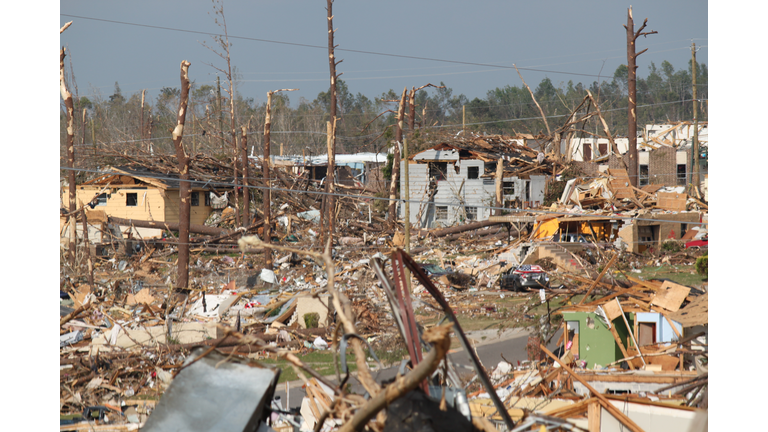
x=377 y=134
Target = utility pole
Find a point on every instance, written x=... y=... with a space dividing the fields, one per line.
x=632 y=92
x=695 y=152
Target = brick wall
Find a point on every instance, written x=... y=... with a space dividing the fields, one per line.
x=662 y=166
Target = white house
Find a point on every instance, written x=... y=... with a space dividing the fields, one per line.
x=456 y=182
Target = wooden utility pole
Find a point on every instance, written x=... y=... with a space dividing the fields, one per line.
x=695 y=155
x=70 y=106
x=183 y=159
x=392 y=217
x=632 y=93
x=329 y=208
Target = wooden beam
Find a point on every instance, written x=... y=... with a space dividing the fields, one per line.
x=621 y=345
x=621 y=417
x=593 y=417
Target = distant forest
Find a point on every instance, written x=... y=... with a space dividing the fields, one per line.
x=117 y=122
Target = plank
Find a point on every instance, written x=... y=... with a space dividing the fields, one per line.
x=671 y=296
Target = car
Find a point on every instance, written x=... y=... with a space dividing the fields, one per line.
x=434 y=270
x=700 y=243
x=523 y=277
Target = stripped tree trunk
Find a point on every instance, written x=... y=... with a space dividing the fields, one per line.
x=67 y=96
x=329 y=201
x=184 y=186
x=87 y=248
x=632 y=93
x=392 y=217
x=265 y=166
x=246 y=190
x=267 y=195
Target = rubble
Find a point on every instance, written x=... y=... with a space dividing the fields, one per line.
x=132 y=343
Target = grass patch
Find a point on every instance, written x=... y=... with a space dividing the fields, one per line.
x=684 y=274
x=321 y=361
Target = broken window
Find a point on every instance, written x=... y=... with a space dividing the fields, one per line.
x=473 y=172
x=101 y=200
x=441 y=213
x=131 y=199
x=587 y=151
x=207 y=198
x=509 y=188
x=438 y=170
x=195 y=198
x=643 y=175
x=681 y=174
x=471 y=213
x=603 y=149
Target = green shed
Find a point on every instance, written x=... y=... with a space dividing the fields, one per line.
x=596 y=343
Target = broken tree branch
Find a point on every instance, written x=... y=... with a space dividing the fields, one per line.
x=441 y=342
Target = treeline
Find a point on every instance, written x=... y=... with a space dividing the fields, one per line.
x=119 y=123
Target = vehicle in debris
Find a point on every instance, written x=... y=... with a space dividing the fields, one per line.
x=699 y=244
x=434 y=270
x=524 y=277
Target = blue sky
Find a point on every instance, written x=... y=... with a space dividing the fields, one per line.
x=582 y=41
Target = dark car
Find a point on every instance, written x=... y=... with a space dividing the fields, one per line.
x=434 y=270
x=523 y=277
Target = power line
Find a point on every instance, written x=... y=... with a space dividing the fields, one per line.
x=325 y=47
x=370 y=197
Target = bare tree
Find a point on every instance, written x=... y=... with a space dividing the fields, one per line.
x=632 y=92
x=329 y=201
x=392 y=217
x=223 y=42
x=184 y=186
x=267 y=195
x=70 y=107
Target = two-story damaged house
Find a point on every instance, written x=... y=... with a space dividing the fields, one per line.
x=460 y=180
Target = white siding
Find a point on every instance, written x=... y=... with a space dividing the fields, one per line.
x=451 y=193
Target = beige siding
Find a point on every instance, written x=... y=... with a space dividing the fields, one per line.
x=151 y=204
x=198 y=214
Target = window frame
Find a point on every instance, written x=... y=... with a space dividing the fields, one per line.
x=441 y=210
x=471 y=210
x=194 y=200
x=438 y=170
x=473 y=172
x=135 y=196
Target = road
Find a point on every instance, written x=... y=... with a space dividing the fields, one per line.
x=511 y=344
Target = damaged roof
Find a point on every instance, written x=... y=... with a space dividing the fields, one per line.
x=137 y=175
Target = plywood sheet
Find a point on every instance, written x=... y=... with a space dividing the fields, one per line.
x=671 y=201
x=695 y=313
x=670 y=296
x=612 y=310
x=620 y=184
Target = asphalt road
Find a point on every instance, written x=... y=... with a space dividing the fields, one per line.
x=489 y=350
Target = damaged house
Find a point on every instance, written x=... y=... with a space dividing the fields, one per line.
x=138 y=194
x=460 y=180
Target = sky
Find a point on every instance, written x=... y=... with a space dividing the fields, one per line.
x=390 y=43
